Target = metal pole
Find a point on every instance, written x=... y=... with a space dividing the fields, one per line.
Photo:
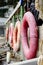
x=21 y=10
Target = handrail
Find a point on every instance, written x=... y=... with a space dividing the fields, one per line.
x=16 y=8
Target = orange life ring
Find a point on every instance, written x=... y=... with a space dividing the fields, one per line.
x=16 y=36
x=29 y=21
x=7 y=34
x=11 y=28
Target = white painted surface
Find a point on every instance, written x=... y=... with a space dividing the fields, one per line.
x=27 y=62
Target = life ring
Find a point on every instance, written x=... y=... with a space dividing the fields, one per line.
x=7 y=34
x=11 y=28
x=29 y=21
x=16 y=36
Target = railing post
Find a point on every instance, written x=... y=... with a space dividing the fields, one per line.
x=21 y=10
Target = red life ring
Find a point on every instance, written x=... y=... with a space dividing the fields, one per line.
x=29 y=21
x=7 y=34
x=11 y=28
x=16 y=36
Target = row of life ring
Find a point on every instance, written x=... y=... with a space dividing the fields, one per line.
x=19 y=33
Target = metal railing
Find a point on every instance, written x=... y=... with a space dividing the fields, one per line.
x=16 y=8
